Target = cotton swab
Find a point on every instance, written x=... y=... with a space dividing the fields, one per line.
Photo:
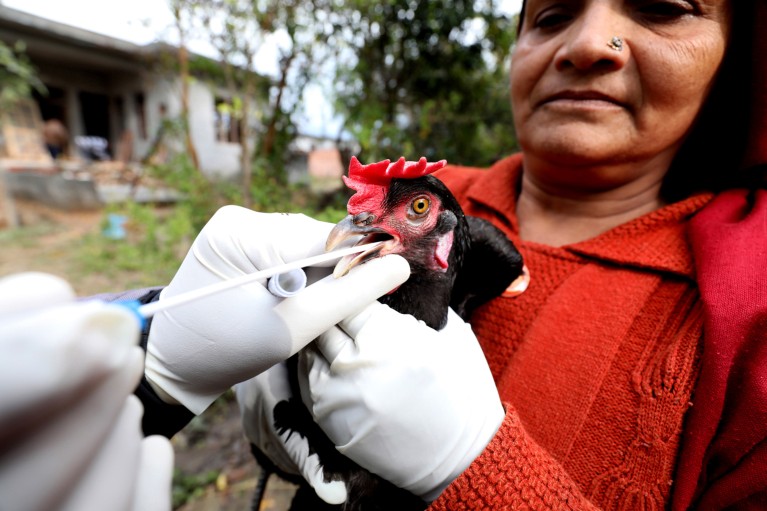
x=149 y=309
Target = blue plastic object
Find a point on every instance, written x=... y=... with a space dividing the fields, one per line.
x=115 y=229
x=133 y=306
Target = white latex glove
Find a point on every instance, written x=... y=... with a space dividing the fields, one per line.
x=257 y=398
x=197 y=351
x=408 y=403
x=70 y=428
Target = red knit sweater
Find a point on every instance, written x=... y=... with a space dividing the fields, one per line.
x=595 y=363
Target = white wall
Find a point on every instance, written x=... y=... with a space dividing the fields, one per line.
x=219 y=159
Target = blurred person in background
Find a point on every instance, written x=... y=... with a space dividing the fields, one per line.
x=55 y=138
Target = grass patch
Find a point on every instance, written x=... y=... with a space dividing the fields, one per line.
x=188 y=487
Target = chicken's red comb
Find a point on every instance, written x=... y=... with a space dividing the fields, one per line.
x=384 y=171
x=371 y=182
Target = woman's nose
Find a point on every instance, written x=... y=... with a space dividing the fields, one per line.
x=596 y=39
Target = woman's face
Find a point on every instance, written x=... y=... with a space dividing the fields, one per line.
x=579 y=99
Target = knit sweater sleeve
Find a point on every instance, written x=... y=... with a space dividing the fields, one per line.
x=513 y=472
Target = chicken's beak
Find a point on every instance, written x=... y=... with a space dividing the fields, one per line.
x=356 y=226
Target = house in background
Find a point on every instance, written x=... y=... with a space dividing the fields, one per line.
x=319 y=162
x=103 y=87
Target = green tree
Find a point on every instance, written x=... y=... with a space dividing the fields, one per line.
x=180 y=9
x=238 y=30
x=426 y=78
x=18 y=78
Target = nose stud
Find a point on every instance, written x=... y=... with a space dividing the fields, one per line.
x=616 y=43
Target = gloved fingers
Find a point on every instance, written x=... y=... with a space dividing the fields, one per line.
x=409 y=403
x=322 y=305
x=460 y=339
x=331 y=344
x=40 y=470
x=299 y=236
x=357 y=340
x=455 y=323
x=31 y=291
x=155 y=475
x=368 y=329
x=198 y=350
x=113 y=470
x=238 y=240
x=315 y=273
x=51 y=366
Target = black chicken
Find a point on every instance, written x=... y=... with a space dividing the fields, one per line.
x=455 y=261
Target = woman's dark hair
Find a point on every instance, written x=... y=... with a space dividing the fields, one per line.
x=710 y=158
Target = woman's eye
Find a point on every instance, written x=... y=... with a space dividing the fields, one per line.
x=666 y=10
x=551 y=18
x=420 y=205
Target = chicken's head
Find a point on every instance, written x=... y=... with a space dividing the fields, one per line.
x=410 y=212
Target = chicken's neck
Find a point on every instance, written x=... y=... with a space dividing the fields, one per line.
x=426 y=296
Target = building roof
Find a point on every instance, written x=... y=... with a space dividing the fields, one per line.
x=49 y=41
x=53 y=41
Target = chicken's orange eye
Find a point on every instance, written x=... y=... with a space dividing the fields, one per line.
x=420 y=205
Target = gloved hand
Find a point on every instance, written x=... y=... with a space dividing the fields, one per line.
x=199 y=350
x=70 y=428
x=257 y=398
x=409 y=403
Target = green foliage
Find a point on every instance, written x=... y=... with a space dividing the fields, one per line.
x=18 y=78
x=429 y=79
x=200 y=196
x=271 y=195
x=26 y=237
x=157 y=239
x=190 y=486
x=153 y=247
x=332 y=214
x=268 y=188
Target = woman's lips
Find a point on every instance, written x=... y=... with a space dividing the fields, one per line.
x=589 y=98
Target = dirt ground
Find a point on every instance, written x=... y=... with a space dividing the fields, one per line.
x=213 y=443
x=42 y=242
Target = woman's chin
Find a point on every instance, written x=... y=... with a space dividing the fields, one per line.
x=582 y=152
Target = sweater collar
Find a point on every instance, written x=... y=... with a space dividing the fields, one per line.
x=656 y=241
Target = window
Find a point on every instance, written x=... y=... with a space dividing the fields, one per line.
x=227 y=121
